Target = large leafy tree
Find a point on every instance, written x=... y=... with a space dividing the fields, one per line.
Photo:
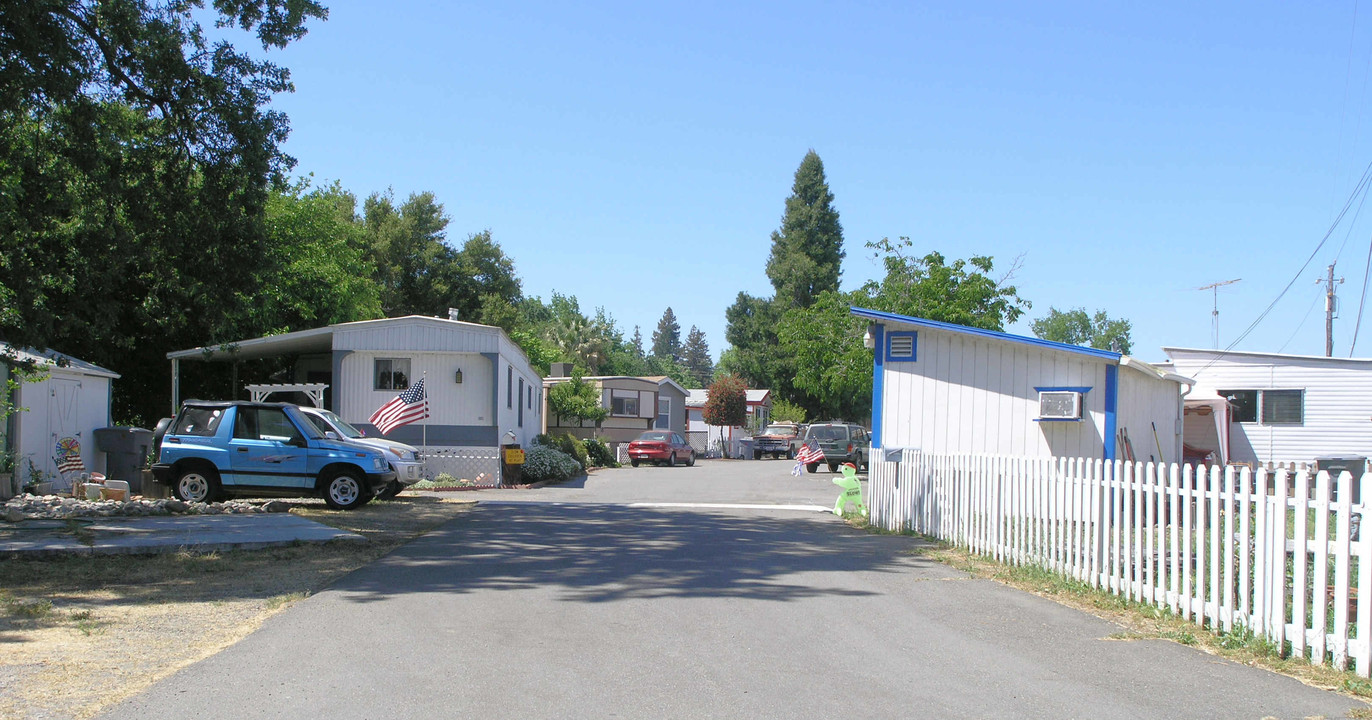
x=415 y=267
x=136 y=159
x=667 y=336
x=577 y=400
x=727 y=405
x=1075 y=327
x=319 y=272
x=833 y=368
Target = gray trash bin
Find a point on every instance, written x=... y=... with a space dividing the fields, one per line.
x=1356 y=465
x=126 y=452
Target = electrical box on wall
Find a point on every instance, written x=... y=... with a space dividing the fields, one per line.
x=1059 y=405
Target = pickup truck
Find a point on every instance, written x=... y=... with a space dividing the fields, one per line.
x=777 y=440
x=215 y=448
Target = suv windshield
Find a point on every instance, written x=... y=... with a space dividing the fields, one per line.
x=329 y=421
x=779 y=430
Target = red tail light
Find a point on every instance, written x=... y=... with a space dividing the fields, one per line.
x=850 y=447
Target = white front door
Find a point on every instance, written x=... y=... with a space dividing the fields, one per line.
x=64 y=433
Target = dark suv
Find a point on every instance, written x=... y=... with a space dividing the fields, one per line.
x=841 y=442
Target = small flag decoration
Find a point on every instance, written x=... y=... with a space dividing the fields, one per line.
x=70 y=463
x=407 y=407
x=810 y=452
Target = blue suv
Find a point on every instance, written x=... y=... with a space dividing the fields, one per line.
x=263 y=449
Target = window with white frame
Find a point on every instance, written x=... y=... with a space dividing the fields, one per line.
x=664 y=414
x=391 y=374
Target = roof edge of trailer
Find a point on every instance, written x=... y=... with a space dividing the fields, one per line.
x=979 y=332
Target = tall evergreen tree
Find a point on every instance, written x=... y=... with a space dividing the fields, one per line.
x=667 y=337
x=807 y=249
x=696 y=357
x=637 y=343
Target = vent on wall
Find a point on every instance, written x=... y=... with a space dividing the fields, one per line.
x=900 y=346
x=1059 y=405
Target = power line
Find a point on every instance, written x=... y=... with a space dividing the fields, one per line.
x=1366 y=273
x=1302 y=324
x=1360 y=189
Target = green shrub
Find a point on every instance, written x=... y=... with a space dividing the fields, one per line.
x=569 y=444
x=599 y=453
x=542 y=462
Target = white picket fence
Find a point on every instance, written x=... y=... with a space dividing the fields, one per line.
x=1224 y=547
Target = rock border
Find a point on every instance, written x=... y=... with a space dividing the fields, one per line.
x=57 y=507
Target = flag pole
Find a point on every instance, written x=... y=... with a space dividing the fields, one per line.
x=425 y=440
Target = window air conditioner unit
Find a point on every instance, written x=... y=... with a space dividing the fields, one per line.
x=1059 y=405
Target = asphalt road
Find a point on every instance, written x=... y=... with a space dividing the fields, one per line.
x=576 y=603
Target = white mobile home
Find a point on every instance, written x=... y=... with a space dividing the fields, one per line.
x=951 y=389
x=479 y=383
x=59 y=413
x=1255 y=407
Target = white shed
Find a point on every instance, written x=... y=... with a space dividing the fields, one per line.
x=479 y=383
x=58 y=415
x=1256 y=407
x=952 y=389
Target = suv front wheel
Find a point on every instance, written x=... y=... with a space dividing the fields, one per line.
x=196 y=486
x=344 y=490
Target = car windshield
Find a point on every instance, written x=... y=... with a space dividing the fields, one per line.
x=655 y=436
x=779 y=430
x=347 y=430
x=829 y=432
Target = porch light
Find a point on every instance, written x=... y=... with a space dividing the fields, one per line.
x=457 y=377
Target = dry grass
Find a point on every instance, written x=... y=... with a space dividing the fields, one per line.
x=131 y=621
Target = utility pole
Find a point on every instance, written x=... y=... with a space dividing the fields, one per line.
x=1330 y=307
x=1215 y=308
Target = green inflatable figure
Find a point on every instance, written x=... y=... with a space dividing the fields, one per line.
x=852 y=491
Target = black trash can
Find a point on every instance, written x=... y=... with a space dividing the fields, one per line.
x=1356 y=465
x=126 y=453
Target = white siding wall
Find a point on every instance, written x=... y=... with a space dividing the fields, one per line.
x=449 y=403
x=509 y=416
x=36 y=424
x=419 y=334
x=976 y=395
x=1146 y=403
x=968 y=394
x=1338 y=403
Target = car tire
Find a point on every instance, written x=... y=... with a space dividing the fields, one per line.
x=392 y=489
x=634 y=462
x=197 y=485
x=671 y=459
x=757 y=454
x=791 y=454
x=691 y=459
x=833 y=467
x=344 y=490
x=811 y=467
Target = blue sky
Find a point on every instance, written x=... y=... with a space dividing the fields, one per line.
x=638 y=155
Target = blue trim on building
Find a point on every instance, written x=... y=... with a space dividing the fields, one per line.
x=914 y=345
x=1112 y=399
x=878 y=383
x=1082 y=390
x=1058 y=420
x=978 y=332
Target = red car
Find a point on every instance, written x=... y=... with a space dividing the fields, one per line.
x=661 y=446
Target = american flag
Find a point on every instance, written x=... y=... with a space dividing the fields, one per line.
x=70 y=463
x=810 y=452
x=406 y=408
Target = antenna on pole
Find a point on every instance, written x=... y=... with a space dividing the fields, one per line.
x=1214 y=288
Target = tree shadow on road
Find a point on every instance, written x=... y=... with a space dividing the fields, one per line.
x=601 y=553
